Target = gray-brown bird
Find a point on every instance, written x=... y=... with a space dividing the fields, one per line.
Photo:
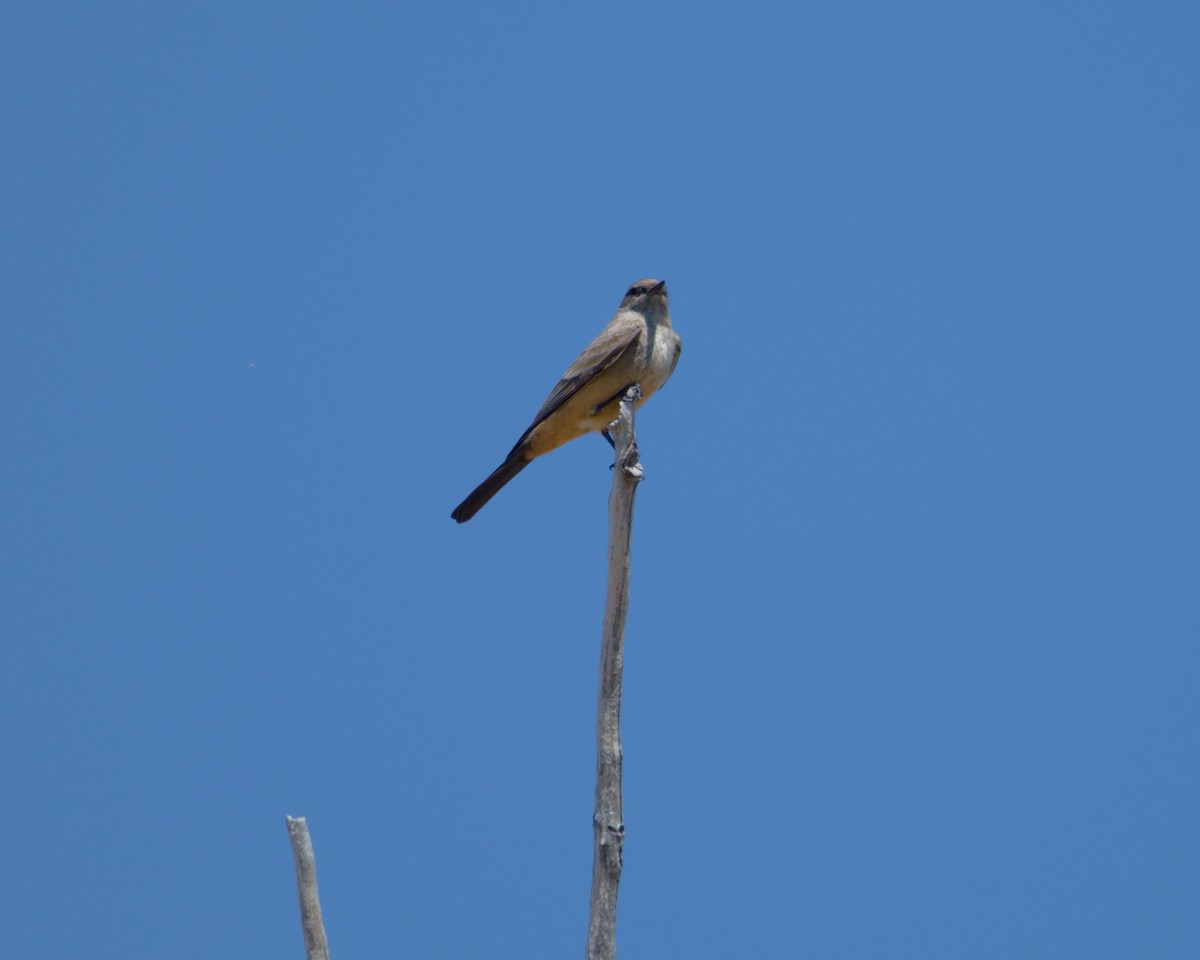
x=638 y=346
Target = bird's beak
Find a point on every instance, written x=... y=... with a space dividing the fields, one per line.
x=660 y=287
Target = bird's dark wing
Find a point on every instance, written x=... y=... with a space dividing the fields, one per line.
x=600 y=354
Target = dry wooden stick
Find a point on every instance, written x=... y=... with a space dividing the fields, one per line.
x=608 y=822
x=315 y=945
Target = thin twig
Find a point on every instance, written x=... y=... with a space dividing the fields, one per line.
x=315 y=945
x=608 y=822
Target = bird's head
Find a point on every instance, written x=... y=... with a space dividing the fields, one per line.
x=646 y=294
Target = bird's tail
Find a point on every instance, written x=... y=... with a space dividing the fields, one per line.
x=490 y=487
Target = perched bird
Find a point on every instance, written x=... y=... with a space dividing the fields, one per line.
x=638 y=346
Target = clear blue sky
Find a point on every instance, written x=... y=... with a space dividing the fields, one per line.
x=912 y=659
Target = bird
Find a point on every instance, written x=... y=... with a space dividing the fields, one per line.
x=638 y=346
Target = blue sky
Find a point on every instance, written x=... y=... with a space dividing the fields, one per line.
x=911 y=661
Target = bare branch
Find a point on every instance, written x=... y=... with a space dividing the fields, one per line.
x=608 y=822
x=315 y=945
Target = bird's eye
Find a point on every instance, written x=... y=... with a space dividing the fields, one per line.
x=635 y=291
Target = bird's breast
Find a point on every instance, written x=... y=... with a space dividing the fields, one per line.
x=660 y=359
